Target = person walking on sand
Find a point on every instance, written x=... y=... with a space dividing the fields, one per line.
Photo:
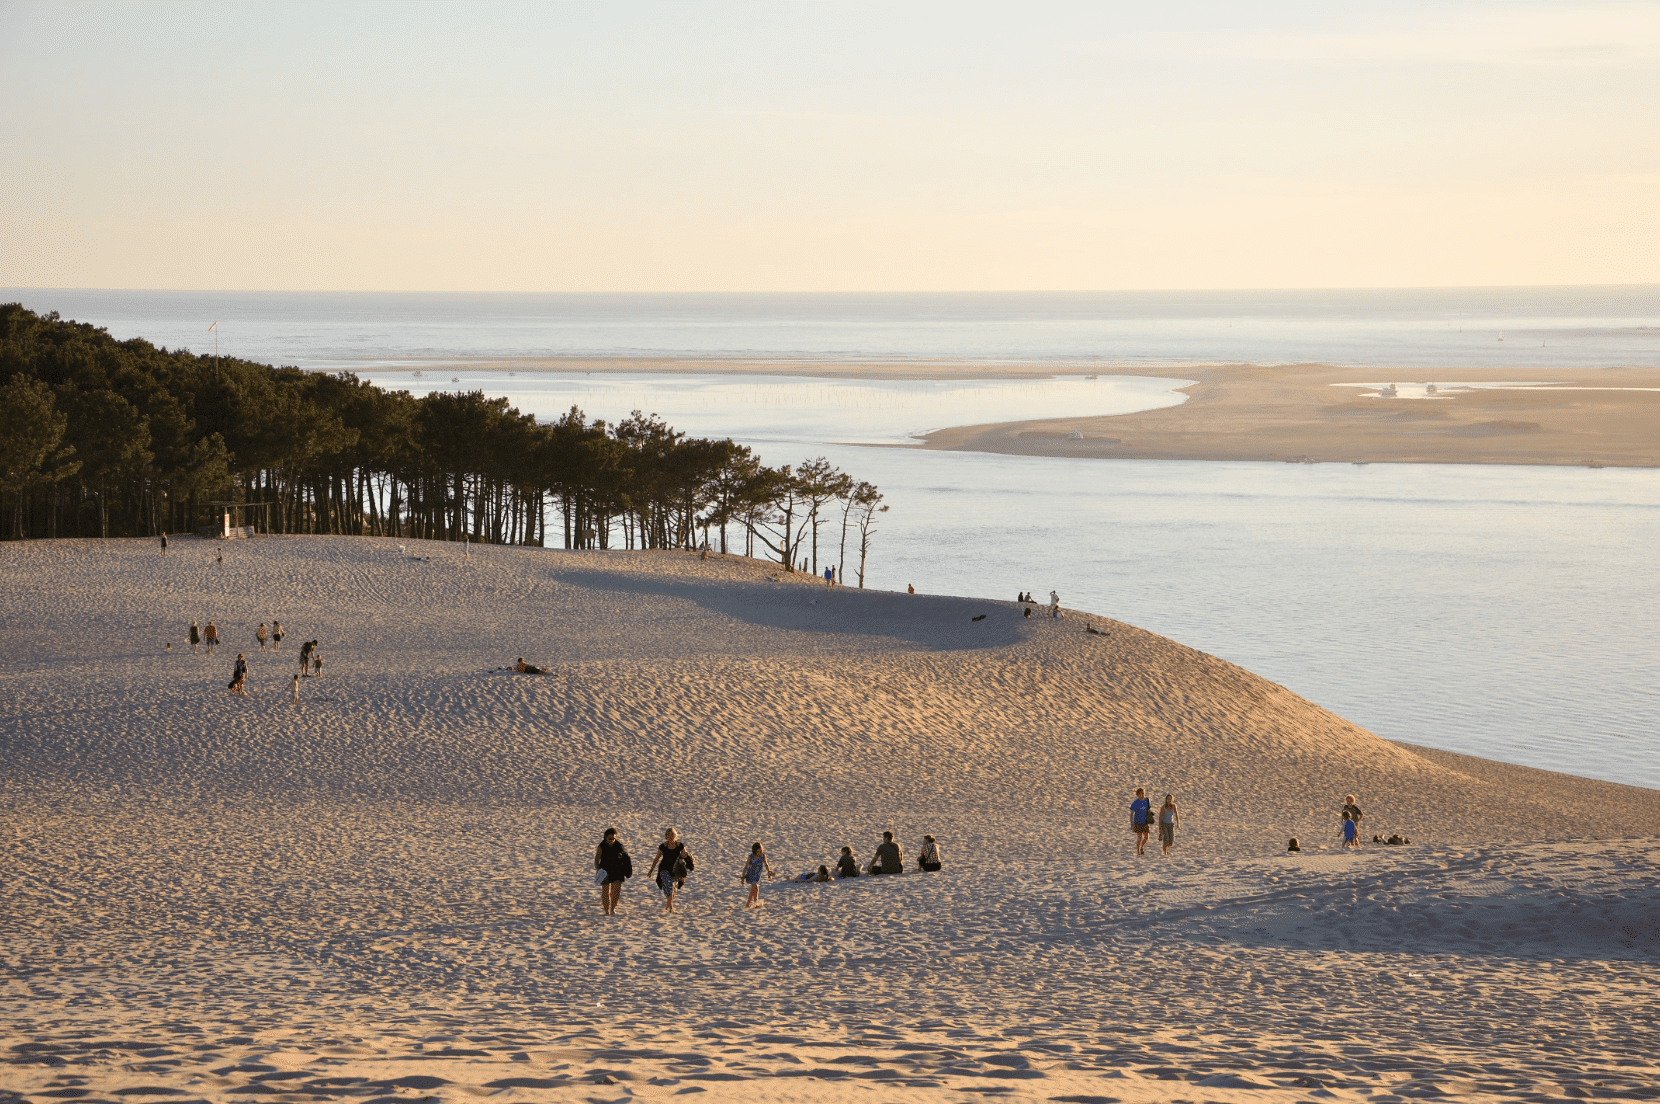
x=928 y=856
x=195 y=637
x=295 y=684
x=316 y=660
x=753 y=869
x=164 y=544
x=276 y=636
x=1054 y=604
x=259 y=635
x=1351 y=810
x=612 y=866
x=1351 y=832
x=211 y=635
x=305 y=657
x=1141 y=819
x=1169 y=820
x=239 y=675
x=672 y=864
x=221 y=557
x=889 y=857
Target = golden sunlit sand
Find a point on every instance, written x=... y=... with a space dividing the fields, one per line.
x=386 y=892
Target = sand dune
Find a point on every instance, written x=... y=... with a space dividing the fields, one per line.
x=384 y=892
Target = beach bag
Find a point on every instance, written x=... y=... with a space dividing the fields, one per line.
x=681 y=869
x=599 y=875
x=627 y=865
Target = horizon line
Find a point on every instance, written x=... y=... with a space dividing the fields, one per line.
x=864 y=291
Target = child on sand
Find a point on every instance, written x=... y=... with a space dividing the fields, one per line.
x=316 y=661
x=259 y=635
x=1351 y=837
x=847 y=866
x=295 y=684
x=239 y=675
x=753 y=869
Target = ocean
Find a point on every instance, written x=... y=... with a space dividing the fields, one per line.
x=1568 y=327
x=1507 y=612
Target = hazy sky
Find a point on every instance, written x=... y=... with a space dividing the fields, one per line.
x=828 y=146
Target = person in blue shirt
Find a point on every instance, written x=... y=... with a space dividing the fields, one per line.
x=1141 y=819
x=1351 y=837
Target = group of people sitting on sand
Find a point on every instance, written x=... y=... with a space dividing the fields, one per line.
x=1350 y=829
x=673 y=862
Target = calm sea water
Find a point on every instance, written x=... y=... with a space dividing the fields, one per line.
x=1508 y=612
x=1431 y=328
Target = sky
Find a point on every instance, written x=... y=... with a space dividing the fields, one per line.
x=828 y=147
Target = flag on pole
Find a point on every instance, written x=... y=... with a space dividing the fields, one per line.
x=213 y=327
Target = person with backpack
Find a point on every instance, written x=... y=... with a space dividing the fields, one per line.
x=239 y=676
x=612 y=866
x=929 y=856
x=753 y=869
x=672 y=864
x=1141 y=819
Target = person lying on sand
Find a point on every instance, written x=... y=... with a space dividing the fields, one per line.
x=527 y=668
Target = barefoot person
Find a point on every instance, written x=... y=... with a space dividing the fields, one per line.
x=1351 y=833
x=195 y=637
x=239 y=676
x=259 y=635
x=672 y=864
x=276 y=636
x=611 y=859
x=1351 y=810
x=928 y=856
x=1141 y=819
x=1169 y=820
x=211 y=636
x=753 y=869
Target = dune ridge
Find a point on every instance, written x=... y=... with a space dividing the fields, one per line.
x=383 y=892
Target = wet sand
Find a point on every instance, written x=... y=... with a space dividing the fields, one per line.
x=1294 y=414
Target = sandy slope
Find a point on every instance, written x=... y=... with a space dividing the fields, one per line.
x=383 y=891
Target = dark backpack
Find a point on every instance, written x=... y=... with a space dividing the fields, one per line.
x=625 y=865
